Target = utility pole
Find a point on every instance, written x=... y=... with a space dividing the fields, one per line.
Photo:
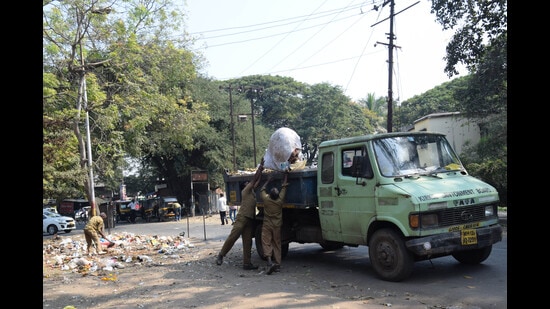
x=391 y=46
x=257 y=91
x=390 y=70
x=232 y=125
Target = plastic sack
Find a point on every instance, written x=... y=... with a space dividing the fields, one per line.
x=283 y=144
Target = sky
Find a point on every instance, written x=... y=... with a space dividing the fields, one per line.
x=343 y=43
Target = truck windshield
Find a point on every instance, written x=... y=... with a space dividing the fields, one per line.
x=415 y=155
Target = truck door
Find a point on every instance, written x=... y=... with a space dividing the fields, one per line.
x=347 y=203
x=329 y=214
x=354 y=193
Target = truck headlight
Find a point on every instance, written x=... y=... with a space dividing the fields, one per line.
x=489 y=211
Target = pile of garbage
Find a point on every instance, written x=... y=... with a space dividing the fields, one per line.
x=69 y=254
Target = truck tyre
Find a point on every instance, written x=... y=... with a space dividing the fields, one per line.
x=258 y=241
x=473 y=257
x=389 y=257
x=284 y=250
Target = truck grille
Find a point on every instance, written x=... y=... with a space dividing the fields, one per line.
x=462 y=215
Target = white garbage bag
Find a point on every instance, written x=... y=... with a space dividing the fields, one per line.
x=284 y=150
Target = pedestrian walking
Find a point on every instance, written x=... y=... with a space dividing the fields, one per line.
x=133 y=211
x=177 y=211
x=233 y=213
x=222 y=208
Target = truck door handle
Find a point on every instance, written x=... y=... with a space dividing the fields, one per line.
x=338 y=191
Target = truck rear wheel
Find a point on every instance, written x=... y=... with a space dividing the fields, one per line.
x=258 y=241
x=473 y=257
x=389 y=257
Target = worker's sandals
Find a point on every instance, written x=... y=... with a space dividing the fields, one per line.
x=250 y=266
x=272 y=268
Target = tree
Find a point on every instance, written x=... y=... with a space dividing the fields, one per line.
x=377 y=110
x=325 y=114
x=479 y=24
x=480 y=43
x=137 y=84
x=440 y=99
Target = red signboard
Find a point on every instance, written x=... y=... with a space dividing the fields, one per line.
x=200 y=176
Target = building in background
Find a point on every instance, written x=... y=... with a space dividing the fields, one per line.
x=458 y=129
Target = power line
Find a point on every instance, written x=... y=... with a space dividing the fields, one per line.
x=300 y=19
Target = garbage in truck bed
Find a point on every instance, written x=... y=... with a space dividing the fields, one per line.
x=301 y=191
x=284 y=150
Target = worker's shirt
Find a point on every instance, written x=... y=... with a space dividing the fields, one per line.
x=248 y=202
x=273 y=209
x=95 y=224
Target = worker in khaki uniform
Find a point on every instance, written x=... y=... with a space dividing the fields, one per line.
x=273 y=220
x=244 y=223
x=94 y=227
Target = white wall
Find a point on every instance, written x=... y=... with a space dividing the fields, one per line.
x=458 y=129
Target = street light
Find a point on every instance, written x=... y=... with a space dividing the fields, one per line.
x=257 y=93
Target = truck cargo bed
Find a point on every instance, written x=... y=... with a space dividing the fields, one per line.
x=301 y=191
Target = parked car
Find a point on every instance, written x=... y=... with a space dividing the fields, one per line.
x=53 y=222
x=82 y=215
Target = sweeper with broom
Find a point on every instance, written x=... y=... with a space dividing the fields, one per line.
x=94 y=227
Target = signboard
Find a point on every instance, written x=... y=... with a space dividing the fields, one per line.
x=199 y=176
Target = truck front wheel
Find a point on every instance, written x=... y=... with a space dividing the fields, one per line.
x=389 y=257
x=474 y=256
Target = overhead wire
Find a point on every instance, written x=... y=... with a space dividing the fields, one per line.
x=300 y=20
x=310 y=38
x=362 y=52
x=276 y=44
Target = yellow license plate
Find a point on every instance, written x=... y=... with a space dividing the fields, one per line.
x=468 y=237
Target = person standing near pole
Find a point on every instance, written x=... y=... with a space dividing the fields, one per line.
x=233 y=213
x=133 y=211
x=244 y=223
x=222 y=208
x=273 y=220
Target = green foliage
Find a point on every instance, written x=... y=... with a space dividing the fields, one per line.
x=136 y=81
x=479 y=23
x=376 y=110
x=488 y=84
x=437 y=100
x=488 y=159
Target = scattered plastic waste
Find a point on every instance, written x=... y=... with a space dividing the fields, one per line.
x=69 y=254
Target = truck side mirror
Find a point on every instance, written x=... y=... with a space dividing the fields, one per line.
x=361 y=167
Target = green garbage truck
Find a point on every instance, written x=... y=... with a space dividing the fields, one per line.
x=404 y=195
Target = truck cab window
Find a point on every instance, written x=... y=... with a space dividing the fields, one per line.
x=327 y=172
x=348 y=156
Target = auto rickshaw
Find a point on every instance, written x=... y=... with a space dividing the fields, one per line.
x=160 y=208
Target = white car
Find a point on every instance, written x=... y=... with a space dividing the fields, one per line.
x=53 y=222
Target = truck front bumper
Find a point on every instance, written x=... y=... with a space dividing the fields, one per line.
x=447 y=243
